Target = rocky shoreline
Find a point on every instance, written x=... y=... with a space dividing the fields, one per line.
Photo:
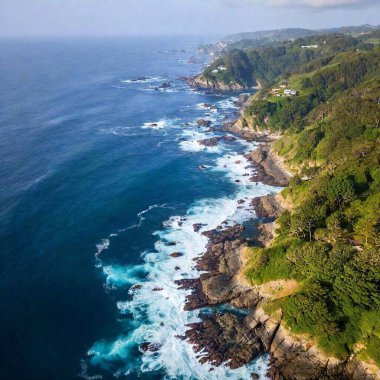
x=237 y=337
x=199 y=82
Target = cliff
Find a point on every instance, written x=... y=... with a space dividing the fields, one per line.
x=216 y=85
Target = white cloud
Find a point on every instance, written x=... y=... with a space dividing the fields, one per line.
x=321 y=3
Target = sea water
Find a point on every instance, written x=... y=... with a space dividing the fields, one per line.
x=100 y=182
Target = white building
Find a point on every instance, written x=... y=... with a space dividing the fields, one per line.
x=220 y=68
x=290 y=92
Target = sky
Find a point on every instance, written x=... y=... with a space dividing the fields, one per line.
x=168 y=17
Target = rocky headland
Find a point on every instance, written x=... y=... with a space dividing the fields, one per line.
x=200 y=82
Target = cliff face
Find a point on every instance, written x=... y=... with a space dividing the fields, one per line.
x=270 y=165
x=201 y=82
x=294 y=358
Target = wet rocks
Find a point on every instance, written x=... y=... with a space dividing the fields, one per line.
x=176 y=254
x=149 y=346
x=135 y=287
x=221 y=264
x=209 y=106
x=197 y=298
x=203 y=123
x=139 y=79
x=163 y=86
x=198 y=226
x=230 y=233
x=213 y=141
x=225 y=339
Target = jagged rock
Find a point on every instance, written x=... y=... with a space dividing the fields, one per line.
x=176 y=254
x=267 y=206
x=267 y=169
x=230 y=233
x=246 y=133
x=213 y=141
x=225 y=339
x=149 y=346
x=198 y=226
x=135 y=287
x=203 y=123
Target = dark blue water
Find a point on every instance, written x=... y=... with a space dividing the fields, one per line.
x=91 y=167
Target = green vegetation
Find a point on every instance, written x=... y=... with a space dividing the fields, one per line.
x=330 y=241
x=269 y=62
x=267 y=264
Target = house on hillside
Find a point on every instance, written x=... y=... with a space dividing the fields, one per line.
x=219 y=69
x=290 y=92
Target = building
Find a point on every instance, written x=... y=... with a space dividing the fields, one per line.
x=290 y=92
x=220 y=68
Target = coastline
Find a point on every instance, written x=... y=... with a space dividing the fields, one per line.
x=235 y=340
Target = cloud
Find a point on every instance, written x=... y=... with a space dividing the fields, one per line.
x=322 y=3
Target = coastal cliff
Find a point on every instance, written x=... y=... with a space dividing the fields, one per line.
x=216 y=85
x=312 y=273
x=235 y=339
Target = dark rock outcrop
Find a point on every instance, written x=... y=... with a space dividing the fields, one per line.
x=268 y=170
x=267 y=206
x=203 y=123
x=213 y=141
x=225 y=339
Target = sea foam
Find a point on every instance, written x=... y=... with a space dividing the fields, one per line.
x=155 y=304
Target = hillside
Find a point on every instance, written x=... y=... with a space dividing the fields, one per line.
x=253 y=40
x=329 y=240
x=266 y=64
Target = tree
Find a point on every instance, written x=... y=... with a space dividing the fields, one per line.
x=306 y=219
x=340 y=191
x=368 y=228
x=334 y=232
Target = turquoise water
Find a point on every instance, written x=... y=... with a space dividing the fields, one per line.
x=99 y=175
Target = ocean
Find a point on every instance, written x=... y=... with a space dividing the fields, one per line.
x=100 y=182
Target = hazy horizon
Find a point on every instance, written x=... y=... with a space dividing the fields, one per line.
x=54 y=18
